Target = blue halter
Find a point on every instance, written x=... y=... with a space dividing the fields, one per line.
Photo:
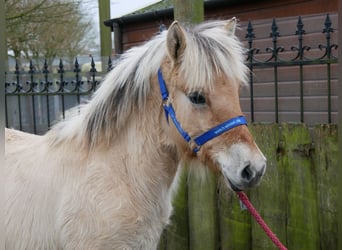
x=203 y=138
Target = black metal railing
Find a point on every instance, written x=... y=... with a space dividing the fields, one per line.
x=31 y=87
x=299 y=59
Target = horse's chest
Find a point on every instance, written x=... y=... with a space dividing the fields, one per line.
x=117 y=218
x=145 y=229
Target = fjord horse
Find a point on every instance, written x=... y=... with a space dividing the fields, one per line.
x=104 y=179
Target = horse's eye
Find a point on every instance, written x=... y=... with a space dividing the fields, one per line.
x=197 y=98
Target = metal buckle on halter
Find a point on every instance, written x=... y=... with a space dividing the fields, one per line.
x=166 y=102
x=194 y=146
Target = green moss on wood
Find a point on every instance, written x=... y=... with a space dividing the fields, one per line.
x=302 y=224
x=178 y=230
x=268 y=198
x=325 y=160
x=234 y=223
x=203 y=226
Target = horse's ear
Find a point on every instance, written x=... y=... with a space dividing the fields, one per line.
x=176 y=41
x=230 y=26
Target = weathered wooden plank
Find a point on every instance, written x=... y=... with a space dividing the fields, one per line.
x=234 y=224
x=325 y=159
x=269 y=198
x=178 y=230
x=203 y=226
x=302 y=214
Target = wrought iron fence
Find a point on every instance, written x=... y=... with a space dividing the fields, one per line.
x=35 y=99
x=273 y=59
x=38 y=96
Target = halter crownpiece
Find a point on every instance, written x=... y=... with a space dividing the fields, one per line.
x=196 y=143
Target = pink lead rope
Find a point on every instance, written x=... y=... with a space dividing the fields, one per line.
x=244 y=199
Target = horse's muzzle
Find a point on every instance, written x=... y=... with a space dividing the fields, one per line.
x=249 y=177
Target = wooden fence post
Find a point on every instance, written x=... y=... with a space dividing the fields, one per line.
x=234 y=224
x=203 y=226
x=269 y=197
x=326 y=158
x=177 y=236
x=105 y=33
x=302 y=224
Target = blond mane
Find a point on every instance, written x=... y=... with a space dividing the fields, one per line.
x=211 y=50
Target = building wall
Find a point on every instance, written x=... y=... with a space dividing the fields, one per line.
x=134 y=33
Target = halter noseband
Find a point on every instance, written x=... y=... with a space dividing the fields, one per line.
x=203 y=138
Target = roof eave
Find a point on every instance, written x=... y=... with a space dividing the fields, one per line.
x=148 y=16
x=165 y=13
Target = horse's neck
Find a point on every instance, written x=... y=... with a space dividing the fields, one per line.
x=141 y=158
x=139 y=148
x=144 y=142
x=149 y=150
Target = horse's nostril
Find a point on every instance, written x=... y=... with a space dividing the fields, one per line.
x=247 y=173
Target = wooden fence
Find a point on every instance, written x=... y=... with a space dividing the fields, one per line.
x=297 y=197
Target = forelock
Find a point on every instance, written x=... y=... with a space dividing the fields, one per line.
x=211 y=52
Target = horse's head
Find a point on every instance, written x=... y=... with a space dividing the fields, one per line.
x=203 y=73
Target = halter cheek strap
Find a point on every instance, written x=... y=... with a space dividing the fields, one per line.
x=203 y=138
x=168 y=108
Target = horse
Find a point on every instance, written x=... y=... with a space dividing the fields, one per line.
x=105 y=178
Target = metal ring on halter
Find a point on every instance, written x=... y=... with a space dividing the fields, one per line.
x=166 y=102
x=194 y=146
